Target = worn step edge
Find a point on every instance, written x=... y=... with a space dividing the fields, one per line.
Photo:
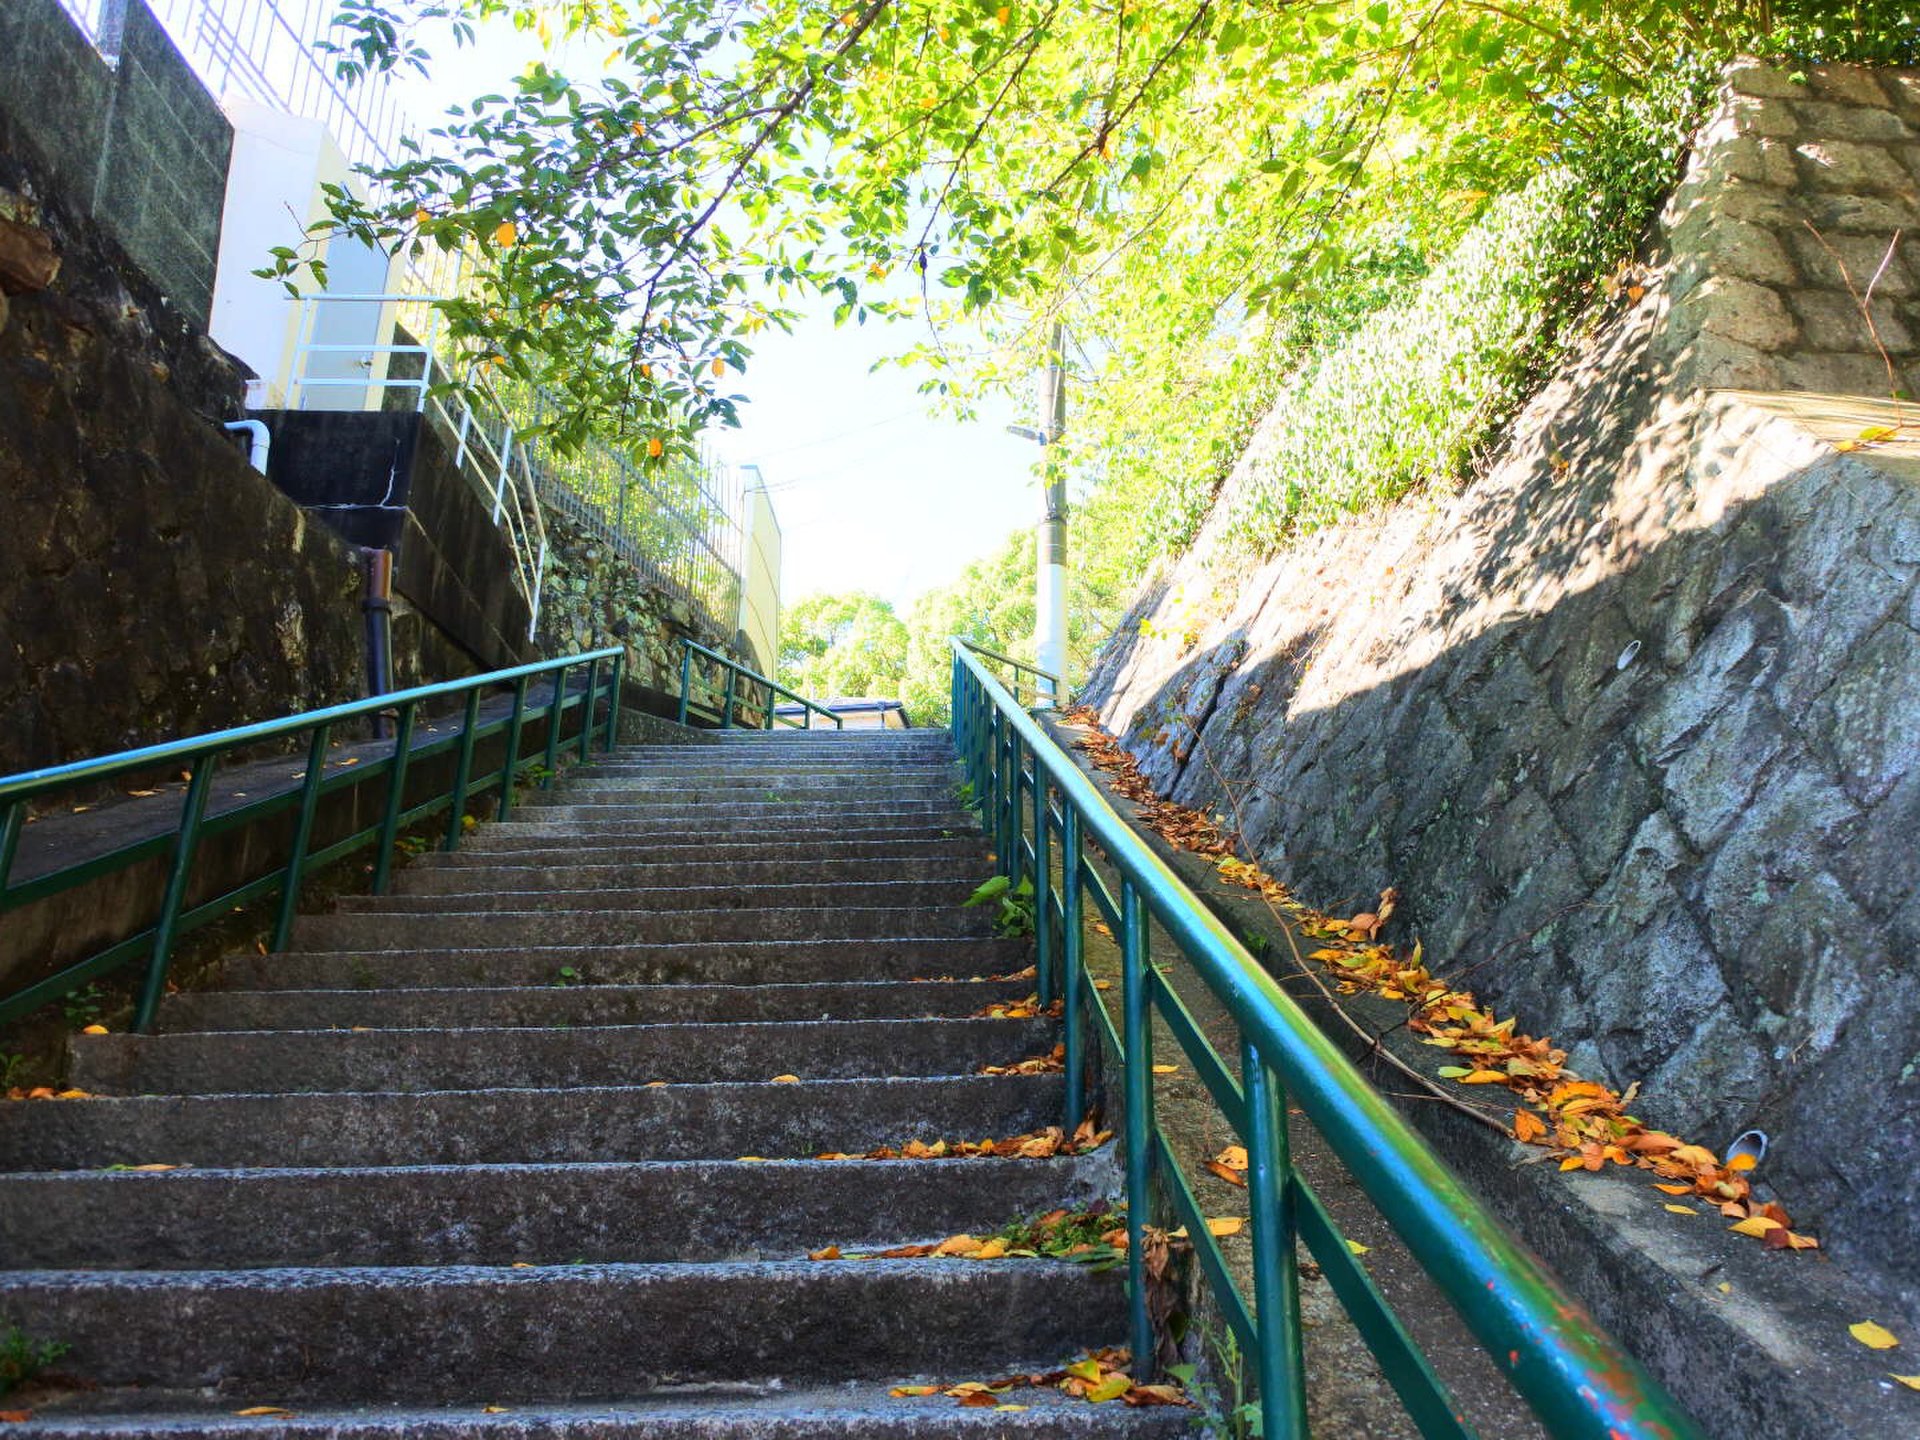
x=885 y=893
x=688 y=1210
x=709 y=962
x=253 y=1062
x=686 y=875
x=862 y=1412
x=560 y=1332
x=375 y=930
x=462 y=1127
x=516 y=1005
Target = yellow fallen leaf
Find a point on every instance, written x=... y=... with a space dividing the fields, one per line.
x=1003 y=1409
x=1879 y=432
x=994 y=1249
x=152 y=1169
x=1682 y=1209
x=276 y=1411
x=1224 y=1225
x=905 y=1390
x=1111 y=1388
x=1754 y=1225
x=1357 y=1248
x=1484 y=1077
x=1087 y=1370
x=94 y=1030
x=653 y=1084
x=1166 y=1069
x=1724 y=1288
x=1874 y=1337
x=522 y=1265
x=958 y=1245
x=752 y=1159
x=786 y=1079
x=1912 y=1382
x=493 y=1410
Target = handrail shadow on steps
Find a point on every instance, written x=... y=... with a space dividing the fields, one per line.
x=1577 y=1378
x=201 y=754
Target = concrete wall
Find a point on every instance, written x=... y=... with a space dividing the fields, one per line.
x=1633 y=722
x=760 y=581
x=137 y=144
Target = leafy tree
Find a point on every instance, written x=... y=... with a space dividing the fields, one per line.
x=851 y=644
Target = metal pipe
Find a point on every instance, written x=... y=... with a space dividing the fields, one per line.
x=260 y=443
x=377 y=605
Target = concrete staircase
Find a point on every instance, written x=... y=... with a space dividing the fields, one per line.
x=425 y=1163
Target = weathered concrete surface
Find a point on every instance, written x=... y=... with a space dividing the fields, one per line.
x=549 y=1005
x=258 y=1062
x=836 y=1412
x=684 y=1210
x=512 y=1127
x=884 y=894
x=740 y=963
x=476 y=878
x=509 y=929
x=586 y=1332
x=1629 y=721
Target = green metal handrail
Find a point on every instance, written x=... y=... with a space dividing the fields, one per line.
x=201 y=754
x=1576 y=1377
x=728 y=693
x=1019 y=668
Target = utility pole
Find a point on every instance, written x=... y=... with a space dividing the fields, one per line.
x=1050 y=537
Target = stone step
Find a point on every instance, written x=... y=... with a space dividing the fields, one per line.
x=257 y=1062
x=742 y=776
x=474 y=874
x=572 y=1004
x=478 y=1127
x=456 y=1334
x=516 y=929
x=562 y=844
x=658 y=900
x=831 y=1412
x=796 y=831
x=717 y=963
x=878 y=812
x=809 y=784
x=687 y=1210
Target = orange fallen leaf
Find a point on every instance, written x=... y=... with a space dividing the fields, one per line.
x=20 y=1417
x=1231 y=1176
x=276 y=1411
x=1527 y=1126
x=830 y=1252
x=93 y=1030
x=786 y=1079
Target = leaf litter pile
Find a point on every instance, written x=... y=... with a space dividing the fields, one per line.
x=1582 y=1121
x=1035 y=1145
x=1097 y=1377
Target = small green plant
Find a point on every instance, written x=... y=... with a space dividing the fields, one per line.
x=1223 y=1416
x=1090 y=1237
x=22 y=1357
x=536 y=774
x=1013 y=918
x=84 y=1006
x=11 y=1069
x=964 y=793
x=566 y=975
x=411 y=846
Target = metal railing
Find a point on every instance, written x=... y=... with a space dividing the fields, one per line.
x=201 y=754
x=727 y=692
x=677 y=523
x=1045 y=817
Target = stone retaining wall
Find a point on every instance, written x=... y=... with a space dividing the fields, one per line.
x=1633 y=722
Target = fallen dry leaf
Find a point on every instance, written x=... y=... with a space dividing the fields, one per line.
x=1874 y=1337
x=1912 y=1382
x=830 y=1252
x=1682 y=1209
x=907 y=1390
x=20 y=1417
x=786 y=1079
x=93 y=1030
x=1225 y=1225
x=276 y=1411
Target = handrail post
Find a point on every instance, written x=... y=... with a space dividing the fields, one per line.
x=1042 y=887
x=612 y=737
x=302 y=836
x=556 y=703
x=726 y=710
x=1276 y=1284
x=192 y=811
x=1137 y=1060
x=11 y=824
x=510 y=757
x=586 y=708
x=686 y=678
x=1071 y=942
x=396 y=795
x=462 y=770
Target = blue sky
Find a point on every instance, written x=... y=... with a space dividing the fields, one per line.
x=873 y=492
